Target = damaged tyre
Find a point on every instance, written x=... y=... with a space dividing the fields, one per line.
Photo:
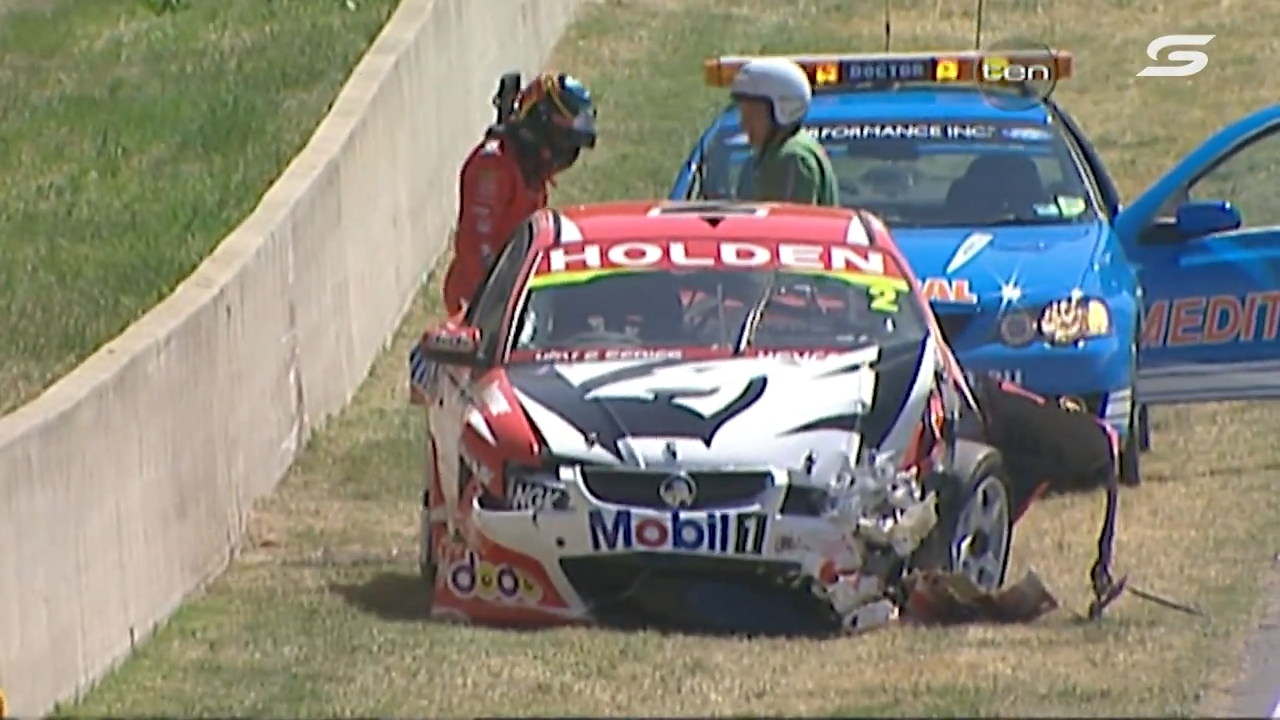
x=974 y=533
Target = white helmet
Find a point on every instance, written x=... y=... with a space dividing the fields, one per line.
x=778 y=80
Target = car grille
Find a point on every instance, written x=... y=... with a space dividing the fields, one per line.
x=639 y=488
x=806 y=501
x=696 y=593
x=953 y=325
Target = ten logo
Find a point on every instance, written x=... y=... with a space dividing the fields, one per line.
x=493 y=583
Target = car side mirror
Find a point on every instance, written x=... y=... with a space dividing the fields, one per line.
x=1197 y=218
x=452 y=344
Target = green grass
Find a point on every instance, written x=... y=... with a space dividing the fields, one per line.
x=132 y=141
x=323 y=616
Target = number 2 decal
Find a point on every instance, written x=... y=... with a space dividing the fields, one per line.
x=884 y=298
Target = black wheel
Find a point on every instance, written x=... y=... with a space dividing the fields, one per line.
x=974 y=534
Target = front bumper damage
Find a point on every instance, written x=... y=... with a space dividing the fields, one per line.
x=762 y=566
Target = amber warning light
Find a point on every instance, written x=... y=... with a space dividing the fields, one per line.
x=1004 y=67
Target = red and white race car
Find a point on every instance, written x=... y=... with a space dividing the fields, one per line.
x=738 y=417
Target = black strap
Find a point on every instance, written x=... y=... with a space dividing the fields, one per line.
x=1105 y=588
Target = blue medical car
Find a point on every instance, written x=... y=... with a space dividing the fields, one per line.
x=1036 y=272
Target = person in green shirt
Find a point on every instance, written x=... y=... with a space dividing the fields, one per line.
x=787 y=164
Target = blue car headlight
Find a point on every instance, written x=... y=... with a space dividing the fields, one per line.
x=1070 y=320
x=1061 y=322
x=1018 y=328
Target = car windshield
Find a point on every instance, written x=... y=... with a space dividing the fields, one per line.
x=935 y=174
x=590 y=301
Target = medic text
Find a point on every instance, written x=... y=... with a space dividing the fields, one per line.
x=1212 y=320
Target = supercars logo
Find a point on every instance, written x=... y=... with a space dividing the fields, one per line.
x=496 y=583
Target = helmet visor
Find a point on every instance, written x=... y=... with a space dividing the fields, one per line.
x=579 y=127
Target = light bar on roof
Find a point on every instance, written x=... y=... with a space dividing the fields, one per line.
x=996 y=67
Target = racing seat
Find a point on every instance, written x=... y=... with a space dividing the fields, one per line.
x=997 y=185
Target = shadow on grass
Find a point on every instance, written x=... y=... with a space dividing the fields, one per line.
x=402 y=597
x=391 y=596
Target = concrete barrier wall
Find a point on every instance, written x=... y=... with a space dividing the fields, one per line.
x=126 y=485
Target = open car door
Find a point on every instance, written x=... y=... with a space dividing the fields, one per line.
x=1205 y=240
x=711 y=170
x=688 y=182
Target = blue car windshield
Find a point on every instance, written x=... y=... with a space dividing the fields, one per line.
x=934 y=174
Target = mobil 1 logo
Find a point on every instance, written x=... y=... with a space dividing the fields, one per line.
x=703 y=533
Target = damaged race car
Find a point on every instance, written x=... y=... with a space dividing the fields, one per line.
x=721 y=417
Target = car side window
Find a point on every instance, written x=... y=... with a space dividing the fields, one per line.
x=1090 y=165
x=1247 y=178
x=489 y=306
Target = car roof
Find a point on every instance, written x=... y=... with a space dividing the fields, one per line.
x=608 y=223
x=926 y=103
x=615 y=222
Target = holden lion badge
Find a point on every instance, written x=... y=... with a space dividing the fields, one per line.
x=678 y=491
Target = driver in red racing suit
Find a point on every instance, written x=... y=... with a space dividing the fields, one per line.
x=506 y=177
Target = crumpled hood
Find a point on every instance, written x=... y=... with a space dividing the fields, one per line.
x=736 y=412
x=1043 y=261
